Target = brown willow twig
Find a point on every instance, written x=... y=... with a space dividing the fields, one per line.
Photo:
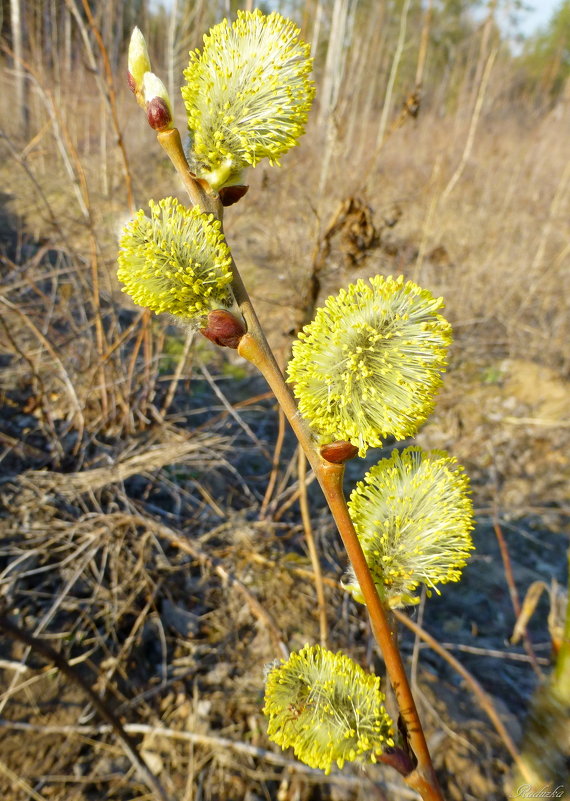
x=129 y=746
x=254 y=347
x=482 y=697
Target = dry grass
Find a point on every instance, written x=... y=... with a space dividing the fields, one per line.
x=135 y=535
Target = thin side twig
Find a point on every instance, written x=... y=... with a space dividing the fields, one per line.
x=129 y=746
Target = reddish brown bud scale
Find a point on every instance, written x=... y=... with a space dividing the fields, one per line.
x=339 y=451
x=132 y=83
x=223 y=329
x=158 y=114
x=231 y=194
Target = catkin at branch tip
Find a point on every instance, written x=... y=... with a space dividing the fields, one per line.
x=247 y=94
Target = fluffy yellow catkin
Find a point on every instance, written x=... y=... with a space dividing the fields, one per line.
x=176 y=261
x=247 y=94
x=413 y=516
x=369 y=364
x=327 y=708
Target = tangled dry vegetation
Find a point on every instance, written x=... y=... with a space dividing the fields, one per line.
x=150 y=529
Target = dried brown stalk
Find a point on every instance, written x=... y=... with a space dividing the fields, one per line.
x=104 y=712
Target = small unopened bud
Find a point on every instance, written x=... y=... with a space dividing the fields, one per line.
x=339 y=451
x=231 y=194
x=138 y=61
x=223 y=328
x=158 y=115
x=157 y=100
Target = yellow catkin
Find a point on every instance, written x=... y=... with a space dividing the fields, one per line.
x=413 y=516
x=369 y=364
x=175 y=261
x=327 y=708
x=247 y=94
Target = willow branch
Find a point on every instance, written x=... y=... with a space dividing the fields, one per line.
x=255 y=348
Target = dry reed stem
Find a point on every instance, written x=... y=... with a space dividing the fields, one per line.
x=146 y=325
x=294 y=493
x=386 y=108
x=69 y=485
x=415 y=661
x=472 y=126
x=275 y=462
x=428 y=219
x=423 y=48
x=554 y=211
x=107 y=89
x=171 y=391
x=513 y=594
x=312 y=546
x=217 y=744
